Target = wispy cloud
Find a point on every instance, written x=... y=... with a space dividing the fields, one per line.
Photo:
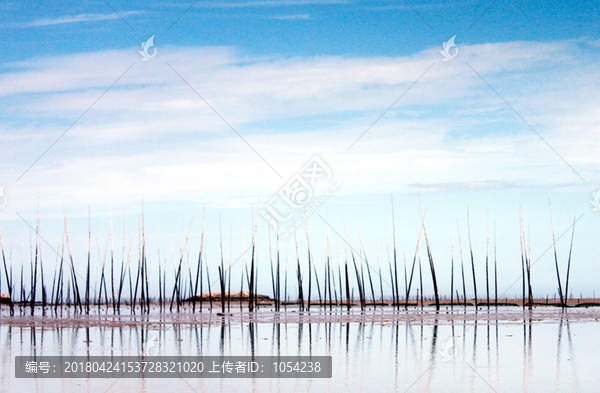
x=451 y=130
x=267 y=3
x=292 y=17
x=466 y=186
x=76 y=19
x=405 y=7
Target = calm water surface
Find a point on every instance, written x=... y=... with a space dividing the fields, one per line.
x=370 y=354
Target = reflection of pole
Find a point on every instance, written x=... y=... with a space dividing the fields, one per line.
x=251 y=331
x=433 y=341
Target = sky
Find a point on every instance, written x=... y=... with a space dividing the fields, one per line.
x=235 y=99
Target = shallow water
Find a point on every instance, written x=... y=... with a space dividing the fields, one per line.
x=380 y=350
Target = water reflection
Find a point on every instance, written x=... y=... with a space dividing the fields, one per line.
x=367 y=356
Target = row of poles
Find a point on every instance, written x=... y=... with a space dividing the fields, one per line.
x=188 y=286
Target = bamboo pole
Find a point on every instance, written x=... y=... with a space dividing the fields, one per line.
x=273 y=286
x=487 y=248
x=309 y=264
x=89 y=256
x=380 y=277
x=76 y=296
x=569 y=264
x=495 y=270
x=53 y=277
x=452 y=269
x=252 y=284
x=523 y=250
x=412 y=271
x=277 y=273
x=318 y=286
x=8 y=281
x=394 y=240
x=112 y=265
x=160 y=299
x=560 y=292
x=420 y=280
x=367 y=264
x=358 y=279
x=229 y=270
x=299 y=275
x=431 y=264
x=34 y=272
x=199 y=267
x=395 y=300
x=462 y=266
x=176 y=289
x=472 y=259
x=221 y=272
x=122 y=273
x=527 y=266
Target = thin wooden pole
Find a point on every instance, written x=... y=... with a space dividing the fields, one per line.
x=452 y=269
x=487 y=248
x=560 y=292
x=569 y=264
x=394 y=240
x=462 y=266
x=495 y=270
x=472 y=259
x=431 y=264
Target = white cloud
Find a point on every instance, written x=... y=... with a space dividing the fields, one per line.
x=152 y=137
x=77 y=19
x=292 y=17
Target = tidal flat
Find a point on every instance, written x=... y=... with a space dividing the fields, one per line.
x=460 y=349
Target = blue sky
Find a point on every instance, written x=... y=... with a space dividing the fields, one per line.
x=288 y=80
x=291 y=28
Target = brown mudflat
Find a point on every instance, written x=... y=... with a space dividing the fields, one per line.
x=378 y=315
